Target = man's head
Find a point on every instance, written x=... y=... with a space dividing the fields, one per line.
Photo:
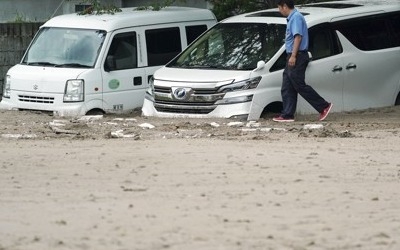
x=285 y=6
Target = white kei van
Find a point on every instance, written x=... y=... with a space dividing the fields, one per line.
x=235 y=69
x=91 y=64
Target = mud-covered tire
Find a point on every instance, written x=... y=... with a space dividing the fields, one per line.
x=272 y=110
x=95 y=112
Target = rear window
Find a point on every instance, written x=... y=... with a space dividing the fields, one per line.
x=373 y=32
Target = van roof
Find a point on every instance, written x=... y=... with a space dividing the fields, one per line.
x=130 y=17
x=321 y=12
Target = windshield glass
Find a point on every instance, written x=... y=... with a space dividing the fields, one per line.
x=63 y=47
x=233 y=46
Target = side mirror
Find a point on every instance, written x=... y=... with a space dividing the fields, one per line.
x=110 y=63
x=260 y=65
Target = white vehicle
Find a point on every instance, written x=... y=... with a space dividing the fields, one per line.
x=235 y=68
x=91 y=64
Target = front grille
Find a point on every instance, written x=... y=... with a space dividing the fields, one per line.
x=162 y=89
x=200 y=101
x=183 y=110
x=197 y=91
x=36 y=99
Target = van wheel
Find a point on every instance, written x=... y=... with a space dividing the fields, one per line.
x=397 y=103
x=272 y=110
x=95 y=112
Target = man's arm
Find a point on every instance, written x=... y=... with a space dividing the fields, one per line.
x=296 y=46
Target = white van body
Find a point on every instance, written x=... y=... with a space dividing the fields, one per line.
x=89 y=64
x=355 y=50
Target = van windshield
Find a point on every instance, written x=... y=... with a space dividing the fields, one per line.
x=65 y=47
x=233 y=46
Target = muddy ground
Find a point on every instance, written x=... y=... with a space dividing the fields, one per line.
x=128 y=182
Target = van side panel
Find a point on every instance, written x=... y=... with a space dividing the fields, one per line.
x=371 y=61
x=363 y=89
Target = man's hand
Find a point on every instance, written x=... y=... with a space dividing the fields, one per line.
x=292 y=60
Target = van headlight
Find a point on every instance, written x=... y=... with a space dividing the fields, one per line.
x=150 y=90
x=74 y=91
x=236 y=99
x=242 y=85
x=7 y=87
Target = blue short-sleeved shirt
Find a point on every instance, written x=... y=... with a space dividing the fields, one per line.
x=296 y=26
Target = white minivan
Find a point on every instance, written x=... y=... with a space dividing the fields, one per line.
x=91 y=64
x=235 y=68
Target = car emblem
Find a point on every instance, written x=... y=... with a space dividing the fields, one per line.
x=35 y=87
x=181 y=93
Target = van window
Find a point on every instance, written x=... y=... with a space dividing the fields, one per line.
x=192 y=32
x=368 y=33
x=162 y=45
x=394 y=22
x=64 y=47
x=280 y=63
x=233 y=46
x=122 y=52
x=323 y=42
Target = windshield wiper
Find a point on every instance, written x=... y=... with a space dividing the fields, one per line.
x=202 y=67
x=40 y=63
x=72 y=65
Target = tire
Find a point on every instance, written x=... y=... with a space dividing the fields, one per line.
x=95 y=112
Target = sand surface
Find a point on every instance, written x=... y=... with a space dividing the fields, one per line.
x=125 y=182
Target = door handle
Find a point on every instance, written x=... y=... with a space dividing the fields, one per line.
x=337 y=68
x=351 y=66
x=137 y=81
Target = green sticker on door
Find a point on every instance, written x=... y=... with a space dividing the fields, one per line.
x=113 y=84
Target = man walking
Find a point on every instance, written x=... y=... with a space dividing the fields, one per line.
x=296 y=43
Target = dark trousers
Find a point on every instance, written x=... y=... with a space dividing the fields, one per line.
x=294 y=83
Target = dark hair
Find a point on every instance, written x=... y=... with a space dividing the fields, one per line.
x=289 y=3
